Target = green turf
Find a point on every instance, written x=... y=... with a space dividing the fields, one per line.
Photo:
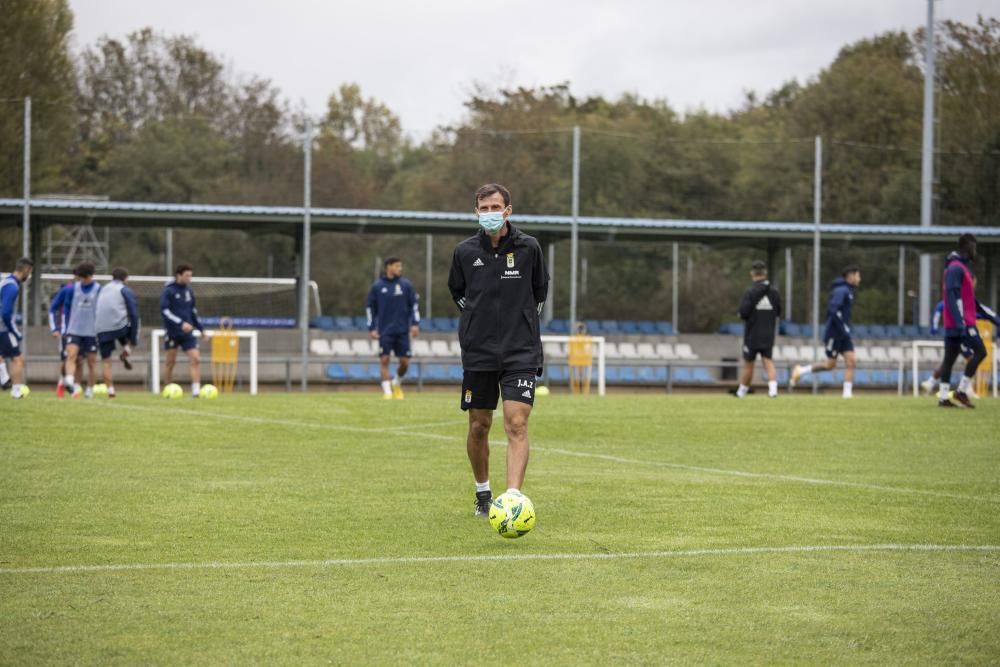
x=642 y=481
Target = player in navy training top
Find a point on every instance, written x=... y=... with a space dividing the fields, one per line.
x=393 y=316
x=59 y=310
x=837 y=336
x=180 y=319
x=10 y=335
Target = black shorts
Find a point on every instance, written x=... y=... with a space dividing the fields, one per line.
x=750 y=353
x=106 y=341
x=482 y=389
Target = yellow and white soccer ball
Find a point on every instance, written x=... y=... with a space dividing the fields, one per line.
x=100 y=389
x=542 y=390
x=172 y=390
x=512 y=514
x=208 y=391
x=25 y=391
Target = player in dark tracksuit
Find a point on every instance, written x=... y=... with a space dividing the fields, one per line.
x=837 y=336
x=760 y=309
x=180 y=320
x=499 y=281
x=393 y=316
x=960 y=330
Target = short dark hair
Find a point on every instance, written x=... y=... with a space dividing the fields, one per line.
x=853 y=268
x=23 y=263
x=966 y=241
x=85 y=269
x=758 y=268
x=390 y=260
x=182 y=268
x=118 y=273
x=490 y=189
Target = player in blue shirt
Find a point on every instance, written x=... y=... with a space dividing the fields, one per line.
x=10 y=335
x=180 y=319
x=393 y=316
x=58 y=318
x=81 y=329
x=837 y=336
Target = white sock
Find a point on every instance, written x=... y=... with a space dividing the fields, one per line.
x=931 y=381
x=848 y=387
x=69 y=381
x=945 y=389
x=772 y=387
x=15 y=391
x=742 y=390
x=965 y=384
x=386 y=387
x=111 y=390
x=195 y=388
x=482 y=486
x=804 y=369
x=513 y=490
x=4 y=375
x=396 y=381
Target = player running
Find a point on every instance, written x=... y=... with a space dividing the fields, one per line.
x=760 y=308
x=393 y=317
x=180 y=319
x=81 y=329
x=960 y=307
x=117 y=322
x=10 y=335
x=499 y=281
x=837 y=335
x=58 y=319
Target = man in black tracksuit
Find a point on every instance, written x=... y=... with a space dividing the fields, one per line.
x=760 y=309
x=499 y=281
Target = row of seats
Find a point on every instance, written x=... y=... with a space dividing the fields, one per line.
x=857 y=330
x=863 y=353
x=556 y=326
x=614 y=375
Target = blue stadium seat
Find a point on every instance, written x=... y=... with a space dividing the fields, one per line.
x=664 y=328
x=455 y=372
x=895 y=331
x=792 y=329
x=877 y=331
x=682 y=374
x=647 y=327
x=343 y=323
x=443 y=324
x=611 y=327
x=652 y=374
x=557 y=373
x=630 y=327
x=360 y=323
x=326 y=323
x=911 y=331
x=558 y=326
x=861 y=331
x=335 y=372
x=612 y=373
x=628 y=374
x=593 y=327
x=702 y=375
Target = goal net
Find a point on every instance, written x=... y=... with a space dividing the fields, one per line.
x=242 y=369
x=249 y=302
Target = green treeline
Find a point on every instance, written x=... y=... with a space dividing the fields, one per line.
x=153 y=117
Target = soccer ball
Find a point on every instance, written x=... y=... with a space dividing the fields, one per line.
x=25 y=391
x=512 y=514
x=172 y=390
x=100 y=389
x=208 y=391
x=542 y=391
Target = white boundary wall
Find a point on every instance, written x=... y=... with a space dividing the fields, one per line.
x=156 y=337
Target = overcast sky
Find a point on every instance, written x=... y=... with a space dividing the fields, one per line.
x=422 y=57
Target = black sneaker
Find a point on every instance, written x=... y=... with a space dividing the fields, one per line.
x=945 y=403
x=482 y=504
x=125 y=360
x=7 y=385
x=963 y=398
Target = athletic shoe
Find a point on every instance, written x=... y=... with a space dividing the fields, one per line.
x=387 y=397
x=7 y=385
x=77 y=392
x=60 y=390
x=397 y=392
x=125 y=361
x=794 y=379
x=482 y=503
x=929 y=385
x=963 y=398
x=89 y=393
x=972 y=394
x=945 y=403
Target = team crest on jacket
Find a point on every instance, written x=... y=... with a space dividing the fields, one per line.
x=399 y=290
x=510 y=260
x=468 y=396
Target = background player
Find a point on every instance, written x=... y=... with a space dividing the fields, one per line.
x=960 y=322
x=58 y=318
x=499 y=281
x=760 y=309
x=837 y=335
x=117 y=322
x=81 y=328
x=393 y=316
x=10 y=335
x=180 y=319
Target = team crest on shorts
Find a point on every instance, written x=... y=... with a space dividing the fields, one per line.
x=468 y=396
x=510 y=260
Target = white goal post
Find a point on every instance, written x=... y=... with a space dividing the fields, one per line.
x=156 y=337
x=915 y=347
x=598 y=342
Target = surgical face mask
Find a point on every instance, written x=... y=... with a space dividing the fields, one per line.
x=492 y=221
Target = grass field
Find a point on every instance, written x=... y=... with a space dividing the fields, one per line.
x=338 y=528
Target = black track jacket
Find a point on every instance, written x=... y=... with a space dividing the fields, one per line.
x=761 y=308
x=500 y=293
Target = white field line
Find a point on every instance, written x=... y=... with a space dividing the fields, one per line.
x=569 y=452
x=405 y=560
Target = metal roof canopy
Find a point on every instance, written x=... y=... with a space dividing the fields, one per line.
x=288 y=219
